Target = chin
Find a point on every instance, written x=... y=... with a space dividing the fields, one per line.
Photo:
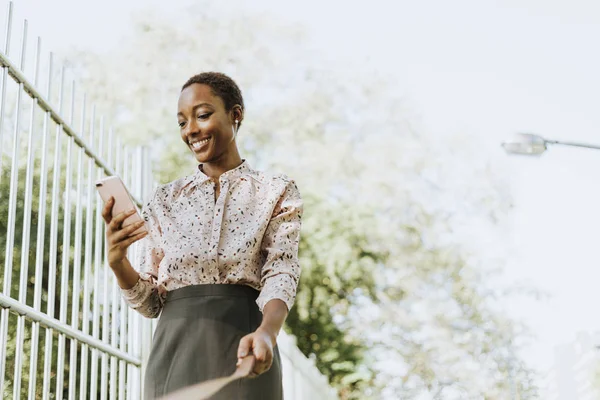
x=201 y=158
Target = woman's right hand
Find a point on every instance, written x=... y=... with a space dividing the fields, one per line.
x=118 y=239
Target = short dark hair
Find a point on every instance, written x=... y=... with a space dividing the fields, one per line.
x=221 y=85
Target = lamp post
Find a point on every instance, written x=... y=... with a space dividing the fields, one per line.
x=534 y=145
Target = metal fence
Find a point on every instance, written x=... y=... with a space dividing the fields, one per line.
x=65 y=332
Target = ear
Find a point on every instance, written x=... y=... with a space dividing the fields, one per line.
x=237 y=113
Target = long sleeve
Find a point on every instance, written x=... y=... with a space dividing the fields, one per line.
x=145 y=297
x=281 y=271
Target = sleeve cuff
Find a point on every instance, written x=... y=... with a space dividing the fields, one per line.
x=139 y=292
x=282 y=287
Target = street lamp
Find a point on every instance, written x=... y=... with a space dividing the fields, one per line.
x=534 y=145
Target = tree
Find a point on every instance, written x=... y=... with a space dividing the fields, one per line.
x=386 y=279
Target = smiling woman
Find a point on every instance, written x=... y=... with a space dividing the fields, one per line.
x=220 y=261
x=209 y=115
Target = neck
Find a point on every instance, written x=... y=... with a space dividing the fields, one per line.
x=215 y=168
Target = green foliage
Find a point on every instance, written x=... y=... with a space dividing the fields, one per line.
x=338 y=266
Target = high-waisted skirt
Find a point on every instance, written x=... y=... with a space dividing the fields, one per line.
x=197 y=339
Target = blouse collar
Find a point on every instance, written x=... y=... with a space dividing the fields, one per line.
x=242 y=169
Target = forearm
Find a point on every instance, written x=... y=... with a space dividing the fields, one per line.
x=139 y=294
x=274 y=314
x=126 y=275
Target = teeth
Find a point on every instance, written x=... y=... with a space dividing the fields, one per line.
x=199 y=143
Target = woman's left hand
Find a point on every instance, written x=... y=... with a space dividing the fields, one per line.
x=260 y=343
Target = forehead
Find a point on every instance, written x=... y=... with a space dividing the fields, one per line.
x=196 y=94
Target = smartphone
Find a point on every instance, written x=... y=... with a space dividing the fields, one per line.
x=113 y=186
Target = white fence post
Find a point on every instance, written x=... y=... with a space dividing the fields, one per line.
x=301 y=378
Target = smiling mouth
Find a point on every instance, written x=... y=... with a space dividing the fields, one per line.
x=198 y=144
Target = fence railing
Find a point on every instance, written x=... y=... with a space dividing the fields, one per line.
x=65 y=332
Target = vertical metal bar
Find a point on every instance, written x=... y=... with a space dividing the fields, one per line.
x=123 y=327
x=76 y=285
x=48 y=348
x=7 y=38
x=115 y=303
x=105 y=298
x=105 y=332
x=105 y=329
x=130 y=318
x=25 y=241
x=134 y=339
x=144 y=327
x=113 y=338
x=12 y=210
x=138 y=323
x=98 y=250
x=149 y=176
x=39 y=257
x=64 y=285
x=147 y=324
x=122 y=338
x=87 y=265
x=131 y=321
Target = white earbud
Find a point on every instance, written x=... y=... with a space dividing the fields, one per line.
x=235 y=128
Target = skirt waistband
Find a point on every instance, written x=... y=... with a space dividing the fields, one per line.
x=216 y=289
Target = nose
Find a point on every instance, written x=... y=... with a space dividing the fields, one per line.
x=191 y=128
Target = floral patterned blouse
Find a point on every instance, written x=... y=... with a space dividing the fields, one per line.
x=249 y=236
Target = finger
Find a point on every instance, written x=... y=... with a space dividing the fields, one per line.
x=128 y=242
x=127 y=231
x=118 y=220
x=107 y=210
x=239 y=361
x=262 y=368
x=245 y=346
x=260 y=351
x=269 y=358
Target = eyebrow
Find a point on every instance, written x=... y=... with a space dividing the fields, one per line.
x=197 y=106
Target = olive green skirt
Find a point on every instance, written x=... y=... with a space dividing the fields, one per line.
x=197 y=338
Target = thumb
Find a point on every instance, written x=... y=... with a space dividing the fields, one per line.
x=245 y=346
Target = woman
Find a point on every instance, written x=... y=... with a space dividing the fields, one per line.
x=219 y=260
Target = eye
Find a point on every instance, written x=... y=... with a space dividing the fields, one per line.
x=181 y=124
x=203 y=116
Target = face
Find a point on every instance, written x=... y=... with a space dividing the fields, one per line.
x=205 y=125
